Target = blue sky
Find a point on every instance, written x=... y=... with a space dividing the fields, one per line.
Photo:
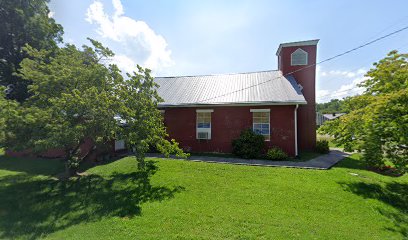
x=209 y=37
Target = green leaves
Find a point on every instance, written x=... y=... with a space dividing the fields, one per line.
x=76 y=98
x=390 y=74
x=377 y=122
x=24 y=22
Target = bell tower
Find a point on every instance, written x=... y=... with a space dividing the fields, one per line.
x=299 y=60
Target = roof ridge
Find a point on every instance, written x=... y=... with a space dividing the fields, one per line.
x=221 y=74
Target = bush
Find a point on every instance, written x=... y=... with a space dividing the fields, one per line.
x=248 y=145
x=322 y=146
x=275 y=153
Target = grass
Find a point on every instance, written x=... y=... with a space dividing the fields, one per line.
x=194 y=200
x=329 y=139
x=214 y=154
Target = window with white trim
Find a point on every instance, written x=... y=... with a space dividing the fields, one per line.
x=261 y=122
x=204 y=124
x=298 y=57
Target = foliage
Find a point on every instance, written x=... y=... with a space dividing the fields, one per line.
x=322 y=146
x=3 y=105
x=23 y=22
x=248 y=145
x=275 y=153
x=77 y=97
x=7 y=110
x=377 y=123
x=334 y=106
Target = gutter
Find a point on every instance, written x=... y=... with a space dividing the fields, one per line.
x=296 y=134
x=164 y=105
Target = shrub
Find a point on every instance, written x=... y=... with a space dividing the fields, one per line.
x=275 y=153
x=248 y=145
x=322 y=146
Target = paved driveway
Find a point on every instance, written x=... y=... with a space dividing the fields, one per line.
x=323 y=162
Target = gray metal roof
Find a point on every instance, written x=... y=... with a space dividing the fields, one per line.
x=331 y=116
x=255 y=88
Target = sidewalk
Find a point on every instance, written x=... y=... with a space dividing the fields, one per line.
x=323 y=162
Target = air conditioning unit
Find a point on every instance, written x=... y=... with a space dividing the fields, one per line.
x=203 y=135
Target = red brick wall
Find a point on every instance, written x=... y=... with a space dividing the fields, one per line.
x=305 y=77
x=227 y=123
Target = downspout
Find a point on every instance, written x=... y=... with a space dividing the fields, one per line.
x=296 y=134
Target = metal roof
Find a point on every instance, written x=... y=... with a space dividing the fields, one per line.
x=296 y=44
x=331 y=116
x=255 y=88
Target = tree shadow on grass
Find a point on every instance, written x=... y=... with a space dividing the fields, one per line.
x=33 y=207
x=394 y=194
x=351 y=163
x=32 y=165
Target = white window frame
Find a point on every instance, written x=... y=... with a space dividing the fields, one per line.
x=299 y=51
x=205 y=130
x=269 y=121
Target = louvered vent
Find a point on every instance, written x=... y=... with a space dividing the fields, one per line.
x=299 y=57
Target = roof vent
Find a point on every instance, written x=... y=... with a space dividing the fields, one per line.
x=298 y=57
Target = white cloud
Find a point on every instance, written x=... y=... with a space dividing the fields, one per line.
x=51 y=14
x=124 y=63
x=338 y=73
x=349 y=88
x=141 y=43
x=322 y=93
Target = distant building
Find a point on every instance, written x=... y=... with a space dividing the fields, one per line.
x=321 y=118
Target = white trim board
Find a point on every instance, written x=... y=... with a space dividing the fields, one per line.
x=205 y=110
x=260 y=110
x=296 y=44
x=294 y=103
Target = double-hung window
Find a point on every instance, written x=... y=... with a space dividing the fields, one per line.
x=204 y=123
x=261 y=122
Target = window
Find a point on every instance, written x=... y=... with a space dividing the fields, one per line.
x=261 y=122
x=204 y=124
x=298 y=57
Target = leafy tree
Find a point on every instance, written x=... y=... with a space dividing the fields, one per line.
x=76 y=96
x=23 y=22
x=334 y=106
x=3 y=113
x=377 y=122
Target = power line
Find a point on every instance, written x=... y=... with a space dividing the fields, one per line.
x=347 y=91
x=315 y=64
x=398 y=21
x=363 y=45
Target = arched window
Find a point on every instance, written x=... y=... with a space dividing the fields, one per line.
x=298 y=57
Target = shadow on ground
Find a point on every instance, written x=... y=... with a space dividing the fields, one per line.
x=35 y=206
x=394 y=194
x=352 y=163
x=37 y=166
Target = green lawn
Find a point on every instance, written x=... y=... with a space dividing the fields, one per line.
x=194 y=200
x=303 y=156
x=329 y=139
